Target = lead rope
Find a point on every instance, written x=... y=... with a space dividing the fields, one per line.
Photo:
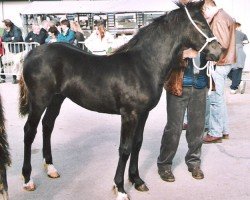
x=210 y=69
x=209 y=65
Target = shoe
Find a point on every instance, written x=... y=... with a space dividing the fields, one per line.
x=185 y=126
x=15 y=81
x=2 y=81
x=233 y=92
x=166 y=175
x=196 y=173
x=242 y=87
x=225 y=136
x=211 y=139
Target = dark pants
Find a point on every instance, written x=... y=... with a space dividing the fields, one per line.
x=235 y=75
x=195 y=102
x=2 y=69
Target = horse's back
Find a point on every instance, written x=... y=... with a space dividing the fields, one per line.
x=99 y=83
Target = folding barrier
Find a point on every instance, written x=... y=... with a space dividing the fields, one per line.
x=14 y=56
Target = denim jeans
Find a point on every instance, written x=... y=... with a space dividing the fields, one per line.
x=194 y=100
x=236 y=75
x=216 y=112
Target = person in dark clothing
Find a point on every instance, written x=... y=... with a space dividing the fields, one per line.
x=2 y=50
x=186 y=90
x=13 y=34
x=36 y=35
x=237 y=68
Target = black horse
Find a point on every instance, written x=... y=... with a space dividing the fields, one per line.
x=4 y=156
x=128 y=83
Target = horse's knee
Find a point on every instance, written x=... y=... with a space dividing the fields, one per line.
x=124 y=152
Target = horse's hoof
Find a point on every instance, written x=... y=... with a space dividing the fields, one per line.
x=51 y=171
x=122 y=196
x=142 y=188
x=30 y=186
x=4 y=195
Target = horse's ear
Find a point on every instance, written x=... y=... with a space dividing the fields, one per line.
x=195 y=4
x=200 y=4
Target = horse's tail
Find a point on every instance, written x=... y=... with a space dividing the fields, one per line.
x=23 y=98
x=4 y=146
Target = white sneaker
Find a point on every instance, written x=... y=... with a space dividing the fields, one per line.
x=233 y=92
x=242 y=87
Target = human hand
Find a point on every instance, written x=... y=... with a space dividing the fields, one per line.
x=189 y=53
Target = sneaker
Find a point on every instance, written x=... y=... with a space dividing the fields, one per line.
x=197 y=173
x=211 y=139
x=242 y=87
x=225 y=136
x=185 y=126
x=232 y=91
x=166 y=175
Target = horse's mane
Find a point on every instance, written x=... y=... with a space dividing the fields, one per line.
x=157 y=26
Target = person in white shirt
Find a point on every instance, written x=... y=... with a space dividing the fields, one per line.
x=100 y=41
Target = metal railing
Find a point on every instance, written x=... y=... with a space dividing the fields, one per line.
x=14 y=55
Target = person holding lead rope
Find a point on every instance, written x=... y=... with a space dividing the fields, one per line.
x=186 y=89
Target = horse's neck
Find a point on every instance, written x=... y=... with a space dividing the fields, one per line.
x=159 y=58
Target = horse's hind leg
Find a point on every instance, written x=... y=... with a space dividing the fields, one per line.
x=129 y=121
x=48 y=122
x=134 y=176
x=30 y=130
x=3 y=184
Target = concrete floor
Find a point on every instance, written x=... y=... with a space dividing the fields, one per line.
x=85 y=152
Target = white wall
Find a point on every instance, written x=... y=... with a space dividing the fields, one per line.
x=240 y=10
x=11 y=10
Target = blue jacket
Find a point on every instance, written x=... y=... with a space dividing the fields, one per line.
x=69 y=37
x=198 y=81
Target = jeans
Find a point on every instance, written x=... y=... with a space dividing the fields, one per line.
x=216 y=114
x=194 y=100
x=236 y=75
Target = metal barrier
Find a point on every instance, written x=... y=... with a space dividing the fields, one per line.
x=14 y=56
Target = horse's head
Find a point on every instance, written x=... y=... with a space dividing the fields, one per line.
x=197 y=33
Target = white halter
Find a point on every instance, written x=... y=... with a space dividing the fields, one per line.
x=209 y=65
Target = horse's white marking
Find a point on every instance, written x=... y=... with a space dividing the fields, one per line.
x=51 y=170
x=122 y=196
x=30 y=186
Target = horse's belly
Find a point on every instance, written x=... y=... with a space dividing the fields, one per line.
x=97 y=104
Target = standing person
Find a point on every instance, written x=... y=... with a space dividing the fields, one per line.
x=66 y=34
x=2 y=51
x=53 y=33
x=35 y=35
x=75 y=26
x=14 y=34
x=44 y=30
x=100 y=41
x=223 y=27
x=186 y=90
x=236 y=71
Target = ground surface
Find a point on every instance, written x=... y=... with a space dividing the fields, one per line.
x=85 y=151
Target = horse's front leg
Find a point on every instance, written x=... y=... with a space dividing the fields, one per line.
x=129 y=122
x=48 y=122
x=134 y=176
